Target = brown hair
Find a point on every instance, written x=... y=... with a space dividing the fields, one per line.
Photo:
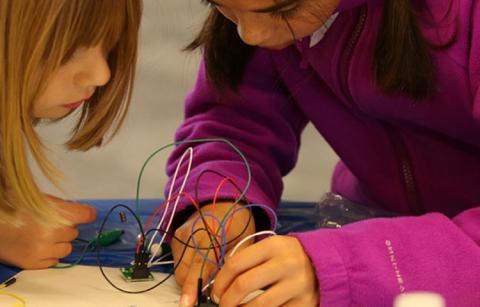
x=37 y=38
x=402 y=64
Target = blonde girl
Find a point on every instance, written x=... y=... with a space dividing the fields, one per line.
x=57 y=56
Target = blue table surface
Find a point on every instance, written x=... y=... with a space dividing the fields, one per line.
x=293 y=216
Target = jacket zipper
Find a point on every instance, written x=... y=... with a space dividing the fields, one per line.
x=406 y=169
x=348 y=54
x=397 y=142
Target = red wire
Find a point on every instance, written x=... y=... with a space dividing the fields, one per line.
x=147 y=224
x=220 y=185
x=212 y=228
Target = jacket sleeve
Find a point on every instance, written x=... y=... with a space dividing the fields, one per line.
x=369 y=263
x=260 y=119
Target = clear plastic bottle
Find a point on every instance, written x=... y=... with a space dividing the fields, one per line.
x=419 y=299
x=334 y=211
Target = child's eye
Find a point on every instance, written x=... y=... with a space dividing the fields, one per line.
x=286 y=13
x=283 y=13
x=73 y=54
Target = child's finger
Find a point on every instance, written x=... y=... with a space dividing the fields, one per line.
x=189 y=290
x=65 y=234
x=79 y=213
x=46 y=263
x=182 y=268
x=181 y=265
x=280 y=294
x=254 y=279
x=61 y=250
x=75 y=212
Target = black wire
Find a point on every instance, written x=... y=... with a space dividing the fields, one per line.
x=202 y=217
x=219 y=245
x=185 y=244
x=193 y=246
x=211 y=236
x=170 y=274
x=197 y=183
x=172 y=234
x=198 y=247
x=207 y=248
x=143 y=240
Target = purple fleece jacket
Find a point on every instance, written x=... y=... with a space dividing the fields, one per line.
x=418 y=158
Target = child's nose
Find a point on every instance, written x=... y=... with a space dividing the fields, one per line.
x=96 y=71
x=250 y=33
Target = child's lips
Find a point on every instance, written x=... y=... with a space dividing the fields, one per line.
x=74 y=105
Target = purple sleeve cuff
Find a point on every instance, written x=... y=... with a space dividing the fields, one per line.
x=332 y=275
x=371 y=262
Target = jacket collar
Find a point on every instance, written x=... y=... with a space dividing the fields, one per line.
x=346 y=5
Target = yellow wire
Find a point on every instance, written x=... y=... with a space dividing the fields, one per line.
x=21 y=301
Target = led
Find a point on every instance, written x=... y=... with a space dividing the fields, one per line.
x=156 y=250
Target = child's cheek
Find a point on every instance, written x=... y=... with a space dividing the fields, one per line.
x=229 y=14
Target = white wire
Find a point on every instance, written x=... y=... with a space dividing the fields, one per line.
x=161 y=263
x=161 y=258
x=177 y=200
x=189 y=151
x=260 y=233
x=208 y=285
x=234 y=250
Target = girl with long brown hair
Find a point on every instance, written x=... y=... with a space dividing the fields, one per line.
x=57 y=56
x=393 y=86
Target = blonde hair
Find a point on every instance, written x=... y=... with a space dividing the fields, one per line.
x=37 y=38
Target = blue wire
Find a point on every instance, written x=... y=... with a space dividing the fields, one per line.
x=222 y=244
x=223 y=247
x=275 y=218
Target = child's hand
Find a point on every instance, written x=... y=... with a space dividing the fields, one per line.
x=34 y=246
x=188 y=271
x=278 y=264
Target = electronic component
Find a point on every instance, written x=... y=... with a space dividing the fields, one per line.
x=123 y=216
x=108 y=237
x=207 y=304
x=140 y=268
x=139 y=271
x=9 y=282
x=127 y=274
x=203 y=300
x=157 y=250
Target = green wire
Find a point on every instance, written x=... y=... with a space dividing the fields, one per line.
x=82 y=240
x=82 y=255
x=103 y=239
x=196 y=141
x=213 y=140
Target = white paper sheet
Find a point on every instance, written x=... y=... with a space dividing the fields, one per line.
x=84 y=286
